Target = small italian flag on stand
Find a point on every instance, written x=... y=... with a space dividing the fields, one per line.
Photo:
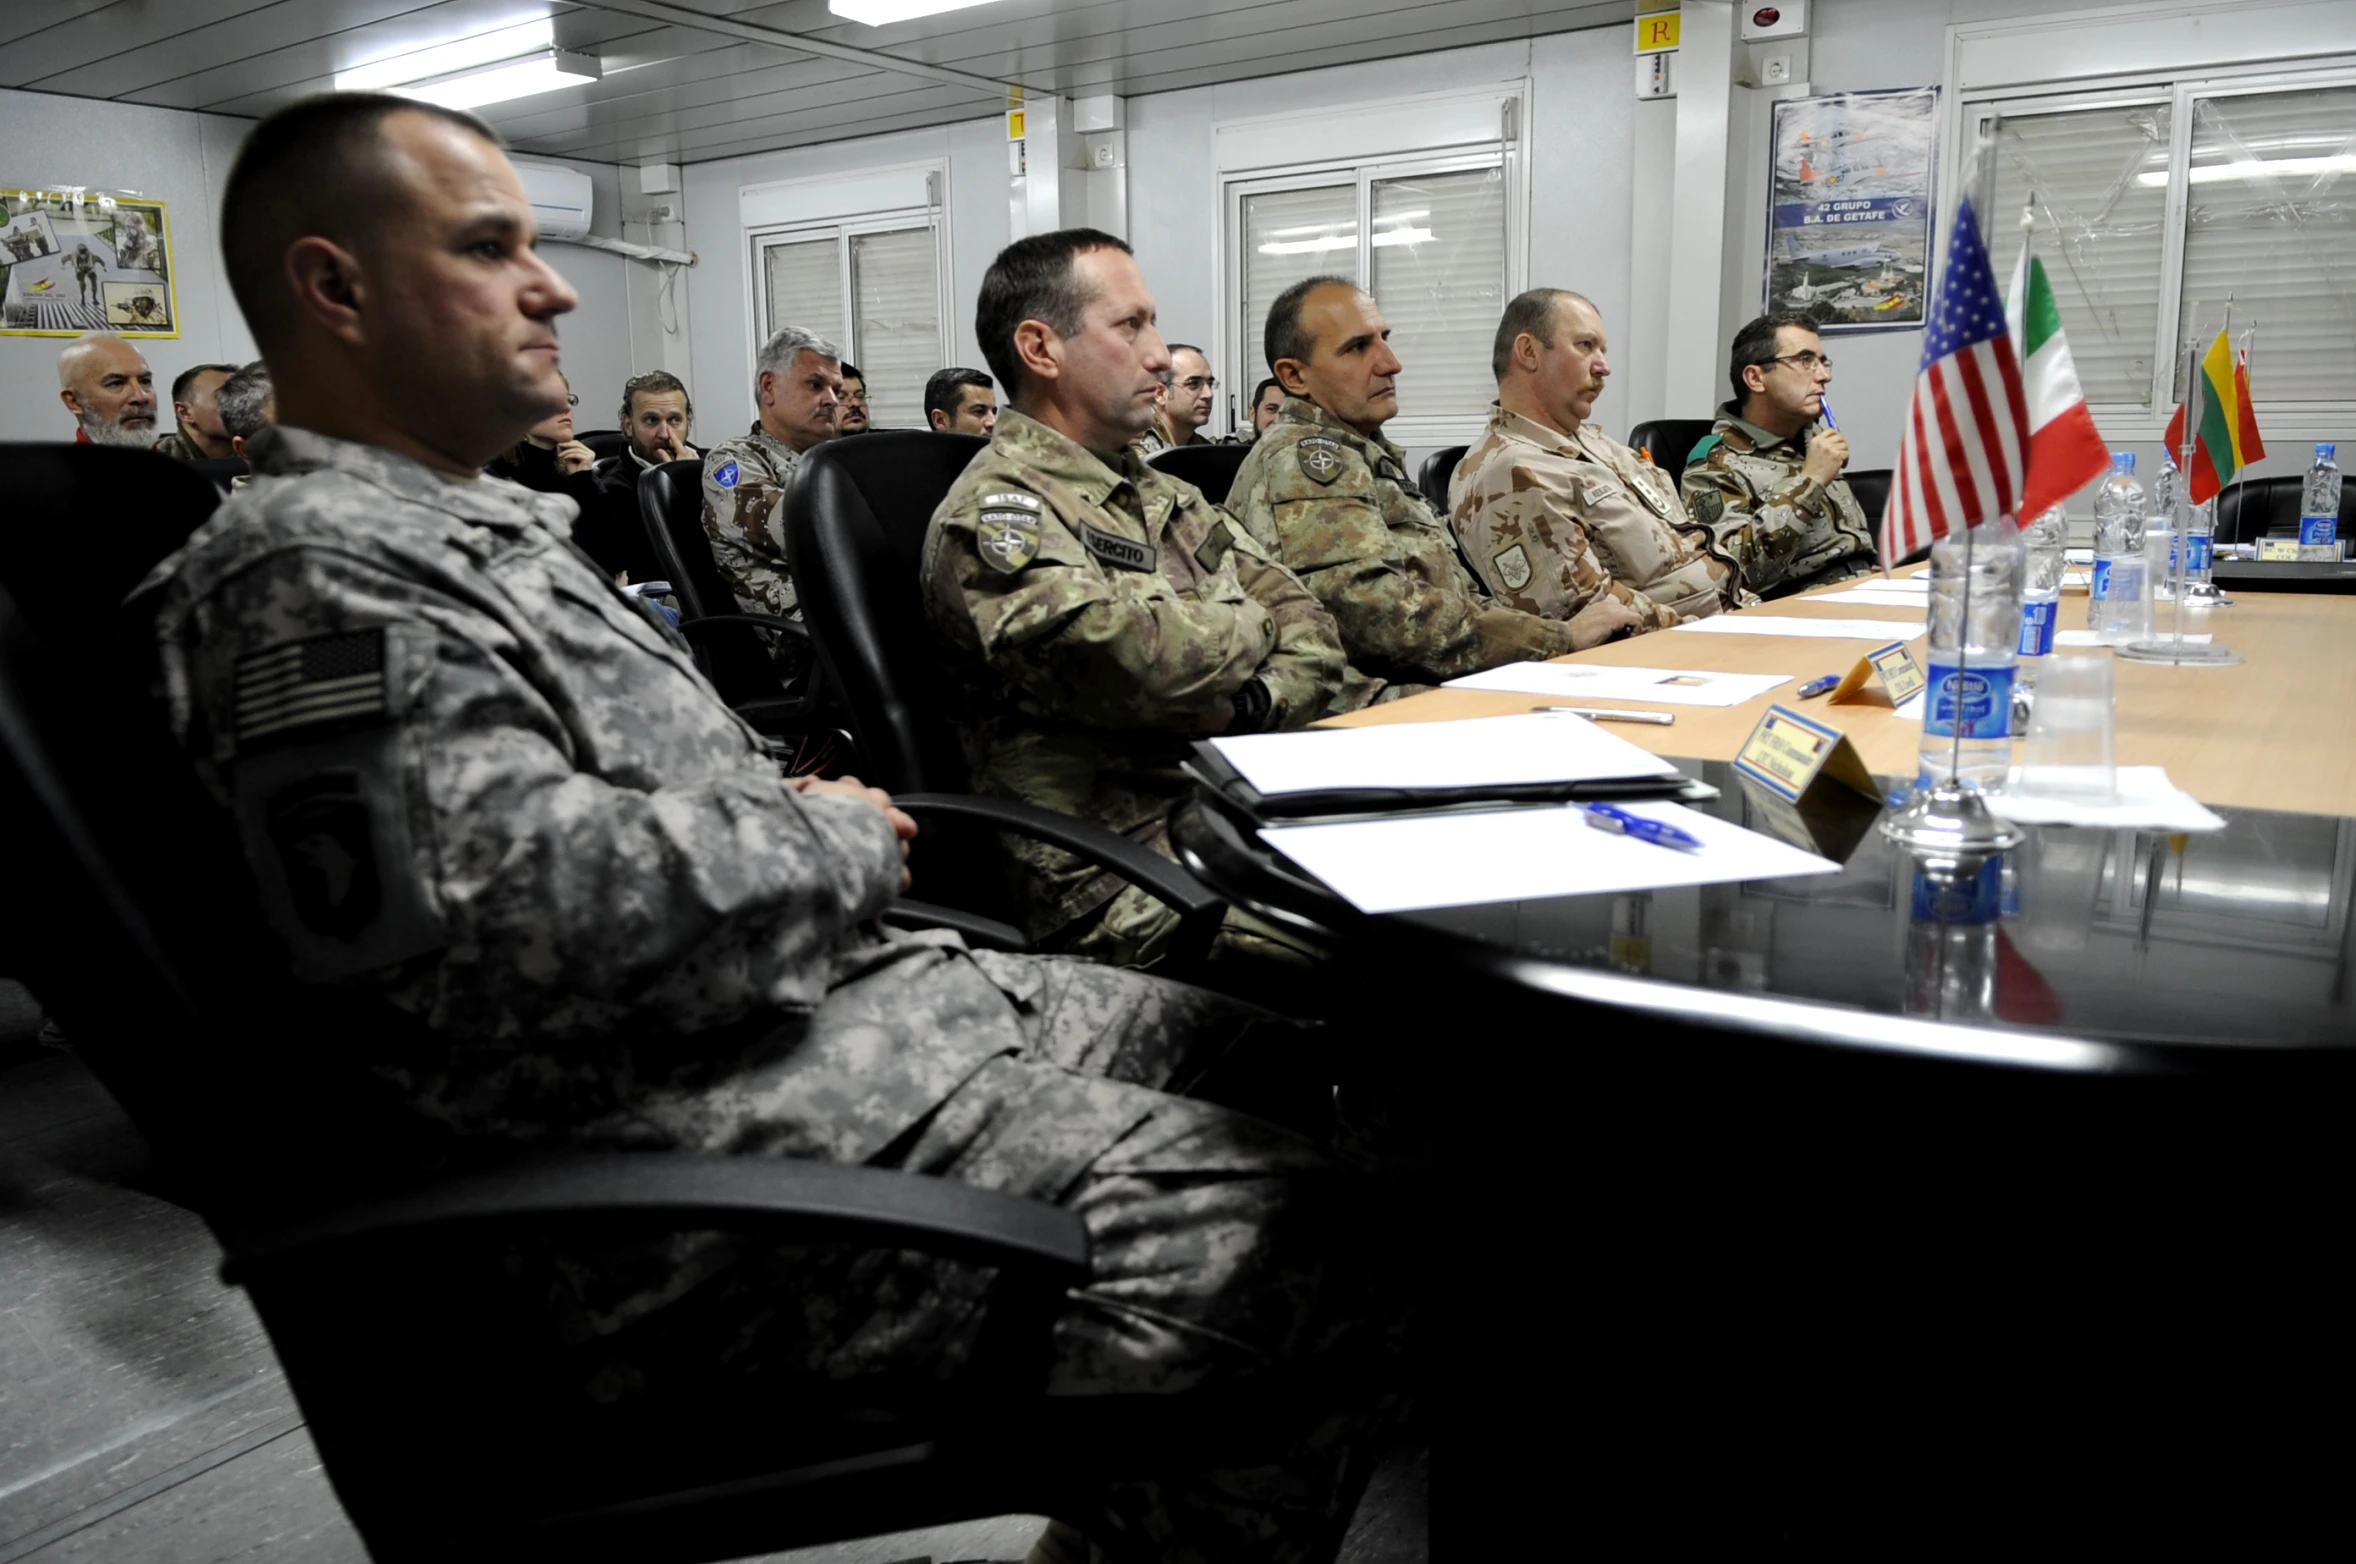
x=2065 y=449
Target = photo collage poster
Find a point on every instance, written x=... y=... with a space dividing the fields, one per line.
x=77 y=260
x=1849 y=228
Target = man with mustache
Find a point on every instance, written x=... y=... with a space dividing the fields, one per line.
x=1555 y=514
x=106 y=384
x=1093 y=614
x=657 y=418
x=1323 y=491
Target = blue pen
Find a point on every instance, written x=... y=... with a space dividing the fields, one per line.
x=1824 y=409
x=1661 y=834
x=1816 y=687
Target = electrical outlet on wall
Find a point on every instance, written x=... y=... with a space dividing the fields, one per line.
x=665 y=213
x=1775 y=70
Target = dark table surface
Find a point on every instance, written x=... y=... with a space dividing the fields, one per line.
x=2231 y=941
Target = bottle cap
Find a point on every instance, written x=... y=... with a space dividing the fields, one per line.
x=2122 y=461
x=2326 y=450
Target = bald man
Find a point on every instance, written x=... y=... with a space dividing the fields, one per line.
x=105 y=383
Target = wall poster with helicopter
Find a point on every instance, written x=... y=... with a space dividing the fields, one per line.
x=80 y=260
x=1849 y=227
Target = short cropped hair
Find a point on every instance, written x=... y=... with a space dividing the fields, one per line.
x=1261 y=389
x=1534 y=312
x=790 y=343
x=657 y=381
x=1034 y=279
x=1177 y=348
x=851 y=371
x=315 y=167
x=187 y=377
x=1755 y=344
x=1284 y=335
x=946 y=389
x=241 y=398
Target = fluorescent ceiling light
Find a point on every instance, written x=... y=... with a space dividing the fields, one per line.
x=2259 y=168
x=1343 y=242
x=500 y=44
x=519 y=79
x=1402 y=236
x=883 y=13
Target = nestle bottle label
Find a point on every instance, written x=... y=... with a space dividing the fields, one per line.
x=2199 y=550
x=2037 y=627
x=1973 y=703
x=1973 y=899
x=2315 y=530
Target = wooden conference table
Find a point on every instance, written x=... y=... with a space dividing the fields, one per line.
x=2277 y=731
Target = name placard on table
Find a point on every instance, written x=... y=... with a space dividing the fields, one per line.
x=1789 y=754
x=1901 y=677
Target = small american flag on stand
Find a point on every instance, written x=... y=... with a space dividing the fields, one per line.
x=1965 y=451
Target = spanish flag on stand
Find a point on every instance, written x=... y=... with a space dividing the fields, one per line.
x=2227 y=440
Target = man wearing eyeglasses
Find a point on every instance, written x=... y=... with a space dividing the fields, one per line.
x=1767 y=480
x=1186 y=405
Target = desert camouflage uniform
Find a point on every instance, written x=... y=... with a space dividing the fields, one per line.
x=1787 y=531
x=1090 y=616
x=1337 y=508
x=488 y=798
x=1551 y=521
x=744 y=516
x=179 y=448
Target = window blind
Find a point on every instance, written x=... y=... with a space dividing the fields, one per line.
x=2097 y=180
x=2271 y=218
x=1437 y=252
x=1288 y=236
x=803 y=286
x=895 y=288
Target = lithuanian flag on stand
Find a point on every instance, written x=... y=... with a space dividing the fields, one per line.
x=2227 y=440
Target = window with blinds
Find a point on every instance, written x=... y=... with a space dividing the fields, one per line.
x=874 y=289
x=1431 y=242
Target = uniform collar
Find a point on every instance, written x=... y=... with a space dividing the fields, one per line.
x=1300 y=410
x=1761 y=439
x=1544 y=436
x=1059 y=457
x=282 y=452
x=772 y=447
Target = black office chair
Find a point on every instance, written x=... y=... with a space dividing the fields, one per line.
x=855 y=522
x=220 y=471
x=1432 y=478
x=728 y=649
x=1210 y=468
x=1670 y=440
x=1871 y=489
x=436 y=1393
x=605 y=442
x=2255 y=507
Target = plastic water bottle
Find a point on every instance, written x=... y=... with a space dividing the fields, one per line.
x=2045 y=538
x=1951 y=965
x=2120 y=607
x=2319 y=513
x=2167 y=487
x=1971 y=664
x=2200 y=553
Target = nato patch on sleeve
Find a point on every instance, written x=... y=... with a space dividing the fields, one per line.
x=1119 y=552
x=1708 y=505
x=1320 y=457
x=1006 y=539
x=1212 y=552
x=725 y=475
x=311 y=683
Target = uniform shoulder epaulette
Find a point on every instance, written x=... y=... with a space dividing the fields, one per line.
x=1702 y=449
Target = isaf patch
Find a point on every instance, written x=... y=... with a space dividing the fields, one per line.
x=1212 y=551
x=1119 y=552
x=726 y=476
x=1512 y=566
x=1007 y=539
x=1708 y=506
x=1321 y=457
x=310 y=683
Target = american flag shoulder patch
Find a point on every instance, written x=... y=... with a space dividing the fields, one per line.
x=308 y=683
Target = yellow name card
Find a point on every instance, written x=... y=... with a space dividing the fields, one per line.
x=2279 y=548
x=1789 y=754
x=1901 y=677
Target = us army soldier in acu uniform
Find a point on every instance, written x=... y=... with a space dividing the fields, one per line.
x=561 y=898
x=1327 y=494
x=1552 y=511
x=1095 y=614
x=1767 y=479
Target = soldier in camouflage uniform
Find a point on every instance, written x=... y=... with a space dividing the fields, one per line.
x=567 y=901
x=197 y=410
x=1094 y=615
x=1325 y=493
x=1768 y=477
x=798 y=388
x=1552 y=512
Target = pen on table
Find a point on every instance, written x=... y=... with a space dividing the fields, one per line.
x=1658 y=832
x=1816 y=687
x=1659 y=719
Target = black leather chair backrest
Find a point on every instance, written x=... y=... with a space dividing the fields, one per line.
x=1670 y=440
x=855 y=522
x=1871 y=489
x=1432 y=478
x=1210 y=468
x=734 y=657
x=605 y=442
x=220 y=471
x=2252 y=508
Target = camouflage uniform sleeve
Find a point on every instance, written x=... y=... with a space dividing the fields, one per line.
x=1087 y=643
x=550 y=900
x=745 y=521
x=1304 y=675
x=1397 y=606
x=1539 y=557
x=1761 y=533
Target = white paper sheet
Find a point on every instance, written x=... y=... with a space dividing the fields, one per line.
x=2089 y=638
x=1524 y=855
x=1878 y=630
x=2145 y=801
x=1597 y=681
x=1535 y=747
x=1879 y=597
x=1913 y=586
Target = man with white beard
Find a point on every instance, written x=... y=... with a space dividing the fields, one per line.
x=106 y=385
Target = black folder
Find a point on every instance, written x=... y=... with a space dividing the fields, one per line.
x=1211 y=768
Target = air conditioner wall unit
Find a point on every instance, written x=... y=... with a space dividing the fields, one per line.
x=562 y=200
